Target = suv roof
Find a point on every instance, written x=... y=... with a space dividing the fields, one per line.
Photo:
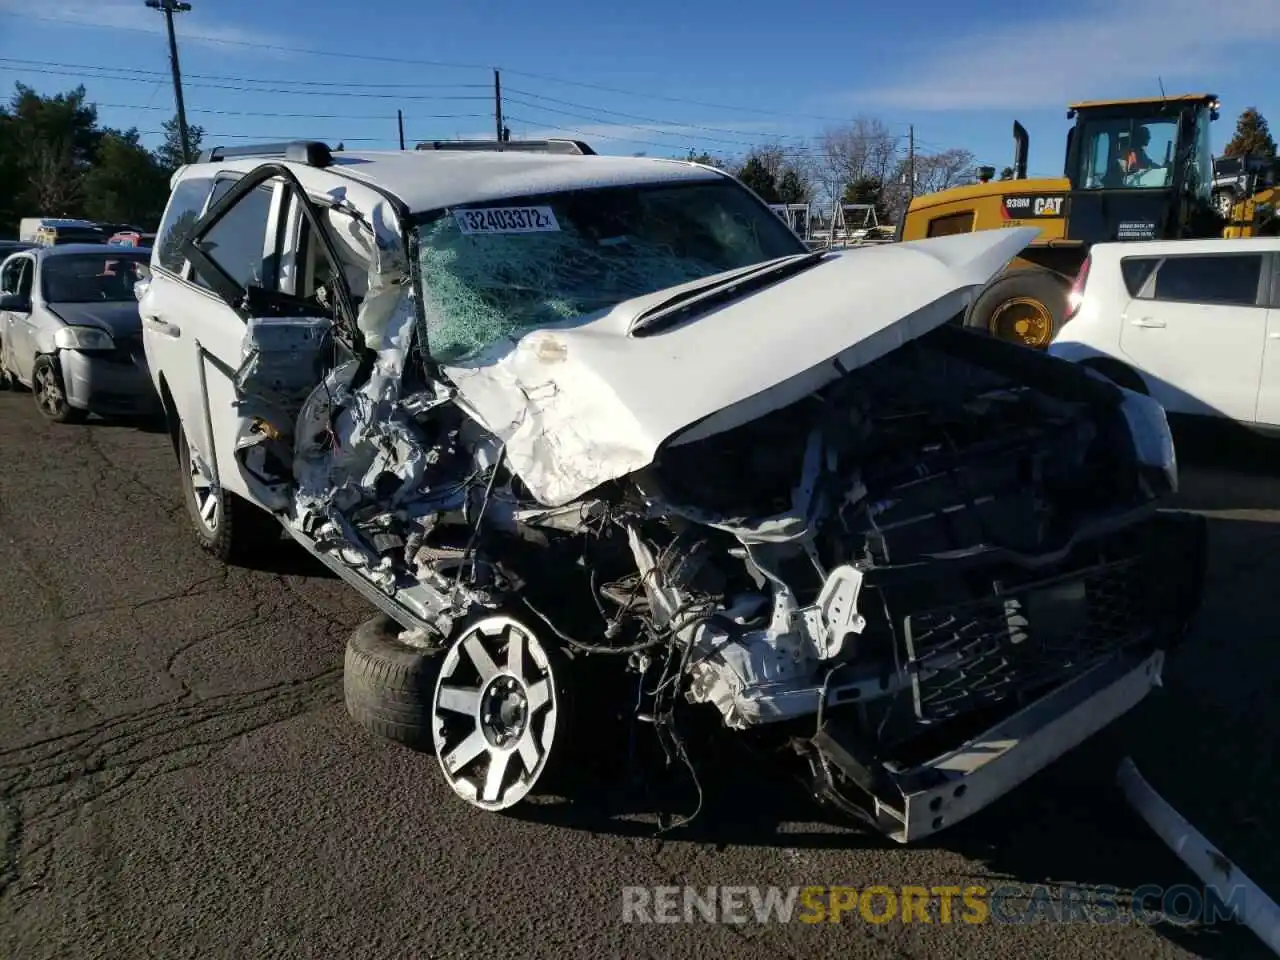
x=425 y=180
x=1148 y=248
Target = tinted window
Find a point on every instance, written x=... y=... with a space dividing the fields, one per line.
x=951 y=224
x=1229 y=279
x=221 y=186
x=236 y=241
x=1127 y=152
x=179 y=217
x=1135 y=271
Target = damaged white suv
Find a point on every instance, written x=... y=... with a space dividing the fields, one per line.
x=536 y=403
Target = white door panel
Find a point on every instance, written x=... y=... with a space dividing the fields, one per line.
x=244 y=241
x=1195 y=331
x=1269 y=387
x=1197 y=359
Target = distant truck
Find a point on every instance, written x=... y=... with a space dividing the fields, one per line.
x=52 y=231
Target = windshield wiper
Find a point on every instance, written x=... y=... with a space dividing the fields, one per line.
x=717 y=291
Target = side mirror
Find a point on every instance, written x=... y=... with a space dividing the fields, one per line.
x=143 y=283
x=15 y=302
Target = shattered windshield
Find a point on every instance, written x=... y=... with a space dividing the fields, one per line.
x=499 y=270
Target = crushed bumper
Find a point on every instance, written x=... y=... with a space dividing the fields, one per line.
x=110 y=384
x=988 y=766
x=910 y=800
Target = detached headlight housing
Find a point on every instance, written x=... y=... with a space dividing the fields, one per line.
x=83 y=338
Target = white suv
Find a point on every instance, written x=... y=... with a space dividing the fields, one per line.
x=553 y=412
x=1193 y=323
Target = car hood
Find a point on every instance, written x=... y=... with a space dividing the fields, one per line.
x=579 y=405
x=118 y=319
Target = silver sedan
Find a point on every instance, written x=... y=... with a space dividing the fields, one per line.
x=70 y=330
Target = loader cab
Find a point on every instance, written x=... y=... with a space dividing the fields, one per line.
x=1141 y=169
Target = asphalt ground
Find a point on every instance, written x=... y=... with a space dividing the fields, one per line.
x=178 y=777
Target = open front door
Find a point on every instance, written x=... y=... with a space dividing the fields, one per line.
x=264 y=334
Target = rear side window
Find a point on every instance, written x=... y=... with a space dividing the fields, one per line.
x=1230 y=279
x=1136 y=271
x=236 y=242
x=179 y=217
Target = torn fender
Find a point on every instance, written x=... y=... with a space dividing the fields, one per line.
x=580 y=404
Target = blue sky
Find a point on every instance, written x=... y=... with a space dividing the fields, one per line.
x=658 y=77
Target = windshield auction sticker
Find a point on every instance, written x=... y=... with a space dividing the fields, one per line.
x=507 y=220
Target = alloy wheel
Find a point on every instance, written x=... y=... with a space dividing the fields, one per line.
x=48 y=392
x=203 y=492
x=495 y=712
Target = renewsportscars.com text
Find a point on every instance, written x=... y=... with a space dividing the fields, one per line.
x=1147 y=904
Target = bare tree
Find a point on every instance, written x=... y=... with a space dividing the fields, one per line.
x=865 y=148
x=941 y=171
x=55 y=181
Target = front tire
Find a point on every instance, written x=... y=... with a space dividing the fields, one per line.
x=1024 y=307
x=388 y=685
x=226 y=526
x=51 y=395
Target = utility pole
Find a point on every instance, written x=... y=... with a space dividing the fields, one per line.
x=169 y=8
x=497 y=104
x=911 y=162
x=400 y=121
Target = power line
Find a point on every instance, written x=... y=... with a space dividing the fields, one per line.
x=259 y=136
x=588 y=136
x=631 y=126
x=633 y=116
x=440 y=64
x=683 y=132
x=239 y=79
x=299 y=116
x=243 y=89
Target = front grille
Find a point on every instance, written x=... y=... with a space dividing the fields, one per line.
x=982 y=652
x=128 y=350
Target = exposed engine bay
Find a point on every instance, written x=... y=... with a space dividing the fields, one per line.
x=915 y=551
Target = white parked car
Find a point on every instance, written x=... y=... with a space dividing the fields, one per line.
x=552 y=411
x=1193 y=323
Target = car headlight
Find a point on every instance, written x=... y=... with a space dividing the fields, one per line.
x=1152 y=438
x=83 y=338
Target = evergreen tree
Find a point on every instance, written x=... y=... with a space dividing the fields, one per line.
x=756 y=175
x=792 y=188
x=1252 y=137
x=169 y=154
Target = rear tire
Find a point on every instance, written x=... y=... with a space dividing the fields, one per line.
x=226 y=526
x=1024 y=307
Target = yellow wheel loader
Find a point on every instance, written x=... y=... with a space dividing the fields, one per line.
x=1134 y=170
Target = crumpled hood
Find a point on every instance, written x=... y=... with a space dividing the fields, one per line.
x=580 y=405
x=118 y=319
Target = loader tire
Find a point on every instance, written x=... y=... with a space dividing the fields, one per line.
x=1024 y=307
x=388 y=685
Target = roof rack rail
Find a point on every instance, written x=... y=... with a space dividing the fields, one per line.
x=567 y=147
x=314 y=153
